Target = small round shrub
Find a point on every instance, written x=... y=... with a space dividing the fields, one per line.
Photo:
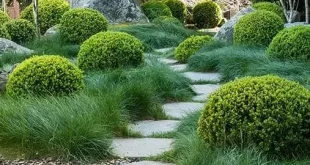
x=257 y=28
x=291 y=43
x=269 y=112
x=77 y=25
x=190 y=46
x=154 y=9
x=109 y=50
x=178 y=9
x=4 y=33
x=50 y=13
x=268 y=6
x=45 y=75
x=207 y=14
x=20 y=30
x=165 y=19
x=3 y=18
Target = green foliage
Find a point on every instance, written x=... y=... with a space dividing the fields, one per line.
x=258 y=1
x=20 y=30
x=291 y=43
x=154 y=9
x=3 y=18
x=259 y=111
x=190 y=46
x=165 y=19
x=45 y=75
x=268 y=6
x=50 y=13
x=108 y=50
x=4 y=33
x=178 y=9
x=78 y=24
x=207 y=14
x=257 y=28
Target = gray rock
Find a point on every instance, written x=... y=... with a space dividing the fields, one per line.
x=4 y=78
x=296 y=16
x=10 y=46
x=51 y=31
x=149 y=127
x=168 y=61
x=115 y=10
x=289 y=25
x=204 y=91
x=179 y=67
x=198 y=76
x=226 y=33
x=181 y=109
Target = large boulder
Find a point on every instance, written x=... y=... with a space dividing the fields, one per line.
x=226 y=33
x=4 y=75
x=10 y=46
x=52 y=31
x=116 y=11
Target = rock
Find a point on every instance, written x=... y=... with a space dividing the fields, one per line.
x=4 y=78
x=116 y=11
x=296 y=16
x=199 y=76
x=179 y=67
x=150 y=127
x=10 y=46
x=289 y=25
x=181 y=109
x=51 y=31
x=227 y=30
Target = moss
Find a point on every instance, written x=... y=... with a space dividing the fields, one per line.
x=207 y=14
x=20 y=30
x=154 y=9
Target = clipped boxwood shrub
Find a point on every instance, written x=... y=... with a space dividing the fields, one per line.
x=268 y=112
x=50 y=13
x=3 y=18
x=257 y=28
x=108 y=50
x=45 y=75
x=154 y=9
x=20 y=30
x=189 y=47
x=268 y=6
x=166 y=19
x=207 y=14
x=4 y=33
x=178 y=9
x=291 y=43
x=77 y=25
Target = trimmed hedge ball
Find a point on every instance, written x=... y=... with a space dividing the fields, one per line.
x=3 y=18
x=4 y=33
x=20 y=30
x=257 y=28
x=178 y=9
x=189 y=47
x=78 y=24
x=291 y=43
x=207 y=14
x=269 y=112
x=109 y=50
x=268 y=6
x=45 y=75
x=50 y=13
x=165 y=19
x=154 y=9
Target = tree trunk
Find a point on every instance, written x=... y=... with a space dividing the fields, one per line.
x=36 y=16
x=4 y=5
x=307 y=11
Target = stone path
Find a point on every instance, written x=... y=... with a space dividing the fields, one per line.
x=146 y=147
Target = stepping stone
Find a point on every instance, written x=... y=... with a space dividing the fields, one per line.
x=150 y=127
x=204 y=91
x=141 y=147
x=179 y=67
x=149 y=163
x=198 y=76
x=163 y=50
x=181 y=109
x=168 y=61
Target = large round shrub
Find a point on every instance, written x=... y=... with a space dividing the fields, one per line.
x=4 y=33
x=178 y=9
x=207 y=14
x=50 y=13
x=77 y=25
x=257 y=28
x=268 y=6
x=45 y=75
x=108 y=50
x=20 y=30
x=154 y=9
x=268 y=112
x=291 y=43
x=189 y=47
x=3 y=18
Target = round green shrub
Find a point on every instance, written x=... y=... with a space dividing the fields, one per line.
x=291 y=43
x=50 y=13
x=154 y=9
x=109 y=50
x=3 y=18
x=207 y=14
x=77 y=25
x=268 y=6
x=257 y=28
x=178 y=9
x=166 y=19
x=269 y=112
x=45 y=75
x=20 y=30
x=189 y=47
x=4 y=33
